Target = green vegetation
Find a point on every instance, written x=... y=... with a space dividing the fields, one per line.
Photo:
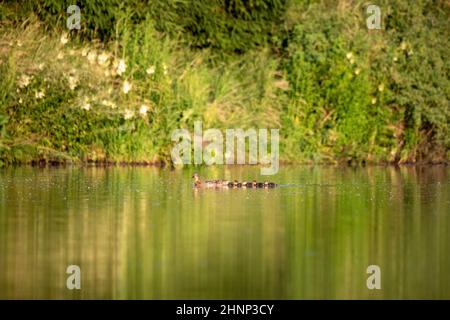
x=115 y=90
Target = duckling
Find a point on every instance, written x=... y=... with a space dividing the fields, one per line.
x=260 y=184
x=248 y=184
x=237 y=184
x=254 y=184
x=269 y=184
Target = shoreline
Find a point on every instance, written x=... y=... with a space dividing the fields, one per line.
x=161 y=164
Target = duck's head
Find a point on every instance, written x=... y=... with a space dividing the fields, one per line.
x=196 y=177
x=254 y=183
x=266 y=183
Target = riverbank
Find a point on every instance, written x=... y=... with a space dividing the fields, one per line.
x=114 y=92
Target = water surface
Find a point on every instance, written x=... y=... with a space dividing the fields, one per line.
x=144 y=233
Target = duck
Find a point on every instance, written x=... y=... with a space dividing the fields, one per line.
x=237 y=184
x=208 y=183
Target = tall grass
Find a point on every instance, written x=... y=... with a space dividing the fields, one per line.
x=115 y=90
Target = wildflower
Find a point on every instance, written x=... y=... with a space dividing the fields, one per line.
x=24 y=81
x=39 y=94
x=20 y=100
x=381 y=87
x=19 y=43
x=403 y=45
x=103 y=59
x=410 y=52
x=92 y=56
x=395 y=59
x=84 y=52
x=64 y=39
x=357 y=71
x=374 y=100
x=164 y=69
x=71 y=52
x=72 y=82
x=352 y=61
x=60 y=56
x=109 y=104
x=150 y=70
x=126 y=87
x=349 y=55
x=121 y=67
x=41 y=66
x=143 y=109
x=86 y=106
x=128 y=114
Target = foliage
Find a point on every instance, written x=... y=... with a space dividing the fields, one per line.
x=115 y=90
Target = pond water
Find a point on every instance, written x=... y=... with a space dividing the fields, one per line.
x=145 y=233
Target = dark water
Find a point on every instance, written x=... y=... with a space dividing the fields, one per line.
x=144 y=233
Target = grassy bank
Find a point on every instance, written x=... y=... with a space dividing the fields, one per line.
x=115 y=90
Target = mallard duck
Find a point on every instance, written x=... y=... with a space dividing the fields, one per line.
x=208 y=183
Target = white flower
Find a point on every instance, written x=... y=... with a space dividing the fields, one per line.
x=403 y=45
x=72 y=82
x=103 y=59
x=395 y=59
x=60 y=56
x=20 y=100
x=126 y=87
x=121 y=67
x=86 y=106
x=349 y=55
x=24 y=81
x=92 y=56
x=374 y=100
x=164 y=69
x=128 y=114
x=357 y=71
x=143 y=109
x=109 y=104
x=381 y=87
x=352 y=61
x=150 y=70
x=64 y=39
x=39 y=94
x=84 y=52
x=41 y=66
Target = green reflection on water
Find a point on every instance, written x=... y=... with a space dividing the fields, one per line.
x=144 y=233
